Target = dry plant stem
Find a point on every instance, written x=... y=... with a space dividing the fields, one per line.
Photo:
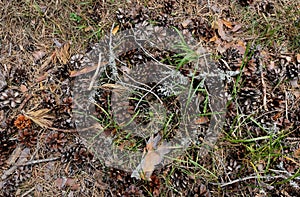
x=151 y=90
x=28 y=192
x=245 y=179
x=286 y=105
x=112 y=56
x=96 y=73
x=149 y=54
x=264 y=89
x=137 y=87
x=38 y=161
x=27 y=98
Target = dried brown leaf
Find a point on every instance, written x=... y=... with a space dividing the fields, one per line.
x=227 y=23
x=201 y=120
x=153 y=157
x=37 y=55
x=14 y=156
x=67 y=182
x=221 y=31
x=298 y=58
x=186 y=22
x=236 y=28
x=86 y=70
x=297 y=153
x=23 y=88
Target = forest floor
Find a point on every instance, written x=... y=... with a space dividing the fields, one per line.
x=43 y=47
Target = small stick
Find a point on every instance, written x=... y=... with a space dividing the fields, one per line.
x=96 y=73
x=247 y=178
x=28 y=192
x=264 y=89
x=27 y=98
x=38 y=161
x=85 y=70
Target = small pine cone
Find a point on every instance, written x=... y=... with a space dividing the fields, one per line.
x=67 y=104
x=199 y=189
x=201 y=29
x=132 y=190
x=10 y=98
x=8 y=188
x=292 y=71
x=232 y=168
x=49 y=100
x=180 y=181
x=22 y=174
x=154 y=185
x=27 y=137
x=55 y=141
x=245 y=2
x=168 y=7
x=78 y=154
x=231 y=59
x=22 y=122
x=266 y=7
x=249 y=99
x=19 y=75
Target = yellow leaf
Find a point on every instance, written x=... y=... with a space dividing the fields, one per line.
x=115 y=30
x=228 y=24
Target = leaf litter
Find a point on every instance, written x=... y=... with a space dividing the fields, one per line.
x=154 y=155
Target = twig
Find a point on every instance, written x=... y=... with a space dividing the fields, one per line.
x=96 y=73
x=28 y=192
x=38 y=161
x=292 y=138
x=245 y=179
x=112 y=56
x=137 y=87
x=27 y=98
x=85 y=70
x=264 y=89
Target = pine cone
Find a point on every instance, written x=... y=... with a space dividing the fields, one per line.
x=27 y=137
x=292 y=70
x=55 y=141
x=119 y=182
x=132 y=190
x=10 y=98
x=231 y=60
x=180 y=181
x=249 y=99
x=8 y=188
x=77 y=153
x=22 y=174
x=22 y=122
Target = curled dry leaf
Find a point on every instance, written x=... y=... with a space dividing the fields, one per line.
x=227 y=23
x=23 y=88
x=220 y=26
x=115 y=30
x=86 y=70
x=297 y=153
x=37 y=55
x=67 y=182
x=201 y=120
x=186 y=22
x=153 y=157
x=236 y=28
